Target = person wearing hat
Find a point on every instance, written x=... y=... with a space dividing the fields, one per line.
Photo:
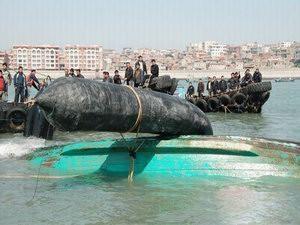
x=117 y=78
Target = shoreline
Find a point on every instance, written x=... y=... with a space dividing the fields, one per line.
x=185 y=74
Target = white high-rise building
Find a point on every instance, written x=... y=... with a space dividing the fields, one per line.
x=285 y=44
x=212 y=48
x=206 y=45
x=217 y=50
x=83 y=57
x=35 y=57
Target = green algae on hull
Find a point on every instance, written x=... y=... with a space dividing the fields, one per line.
x=182 y=156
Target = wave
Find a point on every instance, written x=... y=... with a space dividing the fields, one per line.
x=16 y=145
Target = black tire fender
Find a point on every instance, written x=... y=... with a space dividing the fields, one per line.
x=201 y=104
x=225 y=99
x=191 y=100
x=213 y=104
x=239 y=98
x=30 y=120
x=16 y=118
x=258 y=87
x=265 y=96
x=39 y=122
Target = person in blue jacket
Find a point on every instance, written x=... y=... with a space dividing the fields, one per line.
x=20 y=85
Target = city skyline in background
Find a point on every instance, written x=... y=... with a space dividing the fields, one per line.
x=207 y=55
x=156 y=24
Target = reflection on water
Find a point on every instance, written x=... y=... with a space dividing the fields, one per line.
x=253 y=125
x=155 y=200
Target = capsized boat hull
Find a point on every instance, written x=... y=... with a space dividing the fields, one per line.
x=183 y=156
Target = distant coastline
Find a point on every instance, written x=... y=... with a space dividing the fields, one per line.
x=187 y=74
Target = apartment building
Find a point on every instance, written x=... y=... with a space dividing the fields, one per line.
x=4 y=57
x=43 y=57
x=217 y=50
x=83 y=57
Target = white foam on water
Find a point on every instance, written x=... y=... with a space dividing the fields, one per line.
x=17 y=146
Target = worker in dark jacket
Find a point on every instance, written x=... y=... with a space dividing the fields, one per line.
x=257 y=77
x=247 y=78
x=128 y=73
x=191 y=90
x=222 y=85
x=20 y=85
x=200 y=88
x=137 y=76
x=154 y=69
x=117 y=78
x=78 y=74
x=106 y=77
x=142 y=67
x=231 y=82
x=237 y=77
x=215 y=85
x=72 y=73
x=208 y=86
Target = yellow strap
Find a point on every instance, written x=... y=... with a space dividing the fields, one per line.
x=140 y=112
x=134 y=127
x=131 y=170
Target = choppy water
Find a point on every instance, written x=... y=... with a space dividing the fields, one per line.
x=181 y=200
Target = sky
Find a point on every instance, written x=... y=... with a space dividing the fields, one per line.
x=161 y=24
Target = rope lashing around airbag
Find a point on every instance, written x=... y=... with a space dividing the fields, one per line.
x=140 y=112
x=132 y=152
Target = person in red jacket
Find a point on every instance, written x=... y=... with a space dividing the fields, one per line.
x=2 y=86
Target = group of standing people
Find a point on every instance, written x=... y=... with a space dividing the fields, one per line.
x=22 y=84
x=133 y=76
x=215 y=86
x=137 y=76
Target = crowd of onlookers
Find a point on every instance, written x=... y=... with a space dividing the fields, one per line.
x=133 y=76
x=215 y=86
x=22 y=84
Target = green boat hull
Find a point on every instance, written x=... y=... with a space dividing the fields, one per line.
x=182 y=156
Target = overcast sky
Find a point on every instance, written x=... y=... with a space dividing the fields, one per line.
x=147 y=23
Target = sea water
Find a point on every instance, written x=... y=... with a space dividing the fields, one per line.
x=175 y=200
